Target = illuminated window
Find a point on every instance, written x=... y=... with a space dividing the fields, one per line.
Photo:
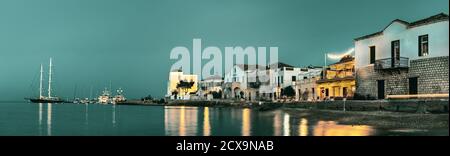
x=423 y=45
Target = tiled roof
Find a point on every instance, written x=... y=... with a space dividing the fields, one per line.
x=430 y=20
x=344 y=59
x=433 y=19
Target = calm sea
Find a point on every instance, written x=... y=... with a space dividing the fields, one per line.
x=33 y=119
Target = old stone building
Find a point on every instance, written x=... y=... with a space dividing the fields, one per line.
x=404 y=59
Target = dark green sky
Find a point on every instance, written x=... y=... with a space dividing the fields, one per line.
x=129 y=42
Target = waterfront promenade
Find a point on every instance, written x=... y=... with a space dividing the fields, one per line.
x=407 y=106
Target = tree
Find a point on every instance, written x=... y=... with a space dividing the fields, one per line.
x=175 y=94
x=288 y=91
x=184 y=85
x=217 y=95
x=148 y=97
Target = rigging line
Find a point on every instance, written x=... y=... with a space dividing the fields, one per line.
x=31 y=87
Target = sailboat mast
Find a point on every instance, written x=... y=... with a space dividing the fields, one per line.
x=40 y=83
x=50 y=79
x=90 y=94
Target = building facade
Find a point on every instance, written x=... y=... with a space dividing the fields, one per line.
x=404 y=59
x=338 y=80
x=241 y=82
x=211 y=87
x=306 y=84
x=181 y=86
x=281 y=76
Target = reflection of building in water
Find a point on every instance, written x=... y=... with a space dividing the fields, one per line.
x=206 y=124
x=180 y=121
x=281 y=125
x=246 y=122
x=331 y=128
x=303 y=127
x=277 y=123
x=286 y=125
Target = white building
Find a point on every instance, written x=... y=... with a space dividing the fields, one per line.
x=404 y=58
x=174 y=89
x=240 y=82
x=433 y=30
x=310 y=72
x=306 y=86
x=210 y=86
x=282 y=76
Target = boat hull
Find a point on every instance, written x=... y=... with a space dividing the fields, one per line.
x=45 y=101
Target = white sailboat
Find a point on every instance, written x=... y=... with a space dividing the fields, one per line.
x=49 y=98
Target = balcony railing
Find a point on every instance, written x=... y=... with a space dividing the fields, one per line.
x=388 y=64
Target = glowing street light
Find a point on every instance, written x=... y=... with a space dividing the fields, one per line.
x=338 y=56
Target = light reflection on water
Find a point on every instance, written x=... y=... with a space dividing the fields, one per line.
x=49 y=119
x=317 y=128
x=93 y=119
x=40 y=118
x=246 y=122
x=303 y=127
x=286 y=125
x=206 y=124
x=331 y=128
x=180 y=121
x=184 y=121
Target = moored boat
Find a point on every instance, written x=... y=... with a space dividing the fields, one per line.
x=104 y=98
x=48 y=98
x=119 y=97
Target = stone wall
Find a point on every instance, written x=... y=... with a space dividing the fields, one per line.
x=395 y=81
x=366 y=83
x=432 y=76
